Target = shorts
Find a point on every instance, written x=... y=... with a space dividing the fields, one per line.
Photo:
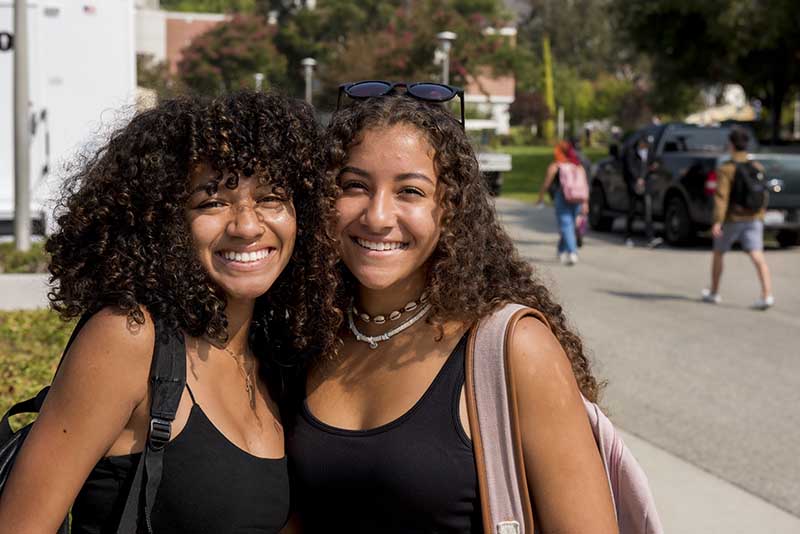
x=750 y=234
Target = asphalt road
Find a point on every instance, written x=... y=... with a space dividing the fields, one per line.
x=717 y=386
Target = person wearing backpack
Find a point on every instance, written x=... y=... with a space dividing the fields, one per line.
x=740 y=203
x=568 y=186
x=193 y=246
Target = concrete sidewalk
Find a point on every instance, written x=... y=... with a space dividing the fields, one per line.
x=23 y=291
x=693 y=501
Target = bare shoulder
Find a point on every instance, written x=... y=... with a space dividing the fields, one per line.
x=112 y=349
x=538 y=362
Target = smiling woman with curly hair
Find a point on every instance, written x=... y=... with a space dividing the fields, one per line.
x=204 y=221
x=381 y=441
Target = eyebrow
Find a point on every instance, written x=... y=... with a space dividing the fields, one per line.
x=399 y=177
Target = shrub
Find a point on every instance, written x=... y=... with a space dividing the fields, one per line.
x=14 y=261
x=31 y=343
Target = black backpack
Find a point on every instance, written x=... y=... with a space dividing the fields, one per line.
x=749 y=188
x=167 y=379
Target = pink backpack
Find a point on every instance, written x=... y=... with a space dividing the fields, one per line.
x=491 y=405
x=574 y=184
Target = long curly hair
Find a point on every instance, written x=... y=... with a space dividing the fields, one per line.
x=123 y=239
x=475 y=267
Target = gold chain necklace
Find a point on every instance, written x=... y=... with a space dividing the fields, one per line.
x=248 y=379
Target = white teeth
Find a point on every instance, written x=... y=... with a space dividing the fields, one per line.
x=380 y=246
x=245 y=257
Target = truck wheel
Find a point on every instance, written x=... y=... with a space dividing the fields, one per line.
x=597 y=207
x=677 y=224
x=788 y=238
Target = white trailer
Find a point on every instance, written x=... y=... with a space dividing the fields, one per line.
x=82 y=73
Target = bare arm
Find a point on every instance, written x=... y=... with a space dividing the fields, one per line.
x=101 y=382
x=548 y=180
x=567 y=481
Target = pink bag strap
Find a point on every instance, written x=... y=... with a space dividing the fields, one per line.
x=491 y=406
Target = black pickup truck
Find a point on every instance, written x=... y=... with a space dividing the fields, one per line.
x=684 y=160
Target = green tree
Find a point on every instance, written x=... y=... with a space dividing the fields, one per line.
x=209 y=6
x=393 y=39
x=228 y=56
x=753 y=43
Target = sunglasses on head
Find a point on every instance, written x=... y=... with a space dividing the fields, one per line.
x=427 y=91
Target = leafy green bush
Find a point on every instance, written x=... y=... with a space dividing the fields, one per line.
x=14 y=261
x=31 y=342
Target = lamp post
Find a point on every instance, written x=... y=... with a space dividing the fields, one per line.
x=22 y=137
x=446 y=43
x=259 y=77
x=308 y=67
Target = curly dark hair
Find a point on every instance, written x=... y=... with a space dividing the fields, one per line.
x=123 y=239
x=475 y=267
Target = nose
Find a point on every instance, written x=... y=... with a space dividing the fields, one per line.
x=245 y=223
x=379 y=213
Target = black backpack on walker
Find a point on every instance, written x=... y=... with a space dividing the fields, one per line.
x=167 y=380
x=749 y=189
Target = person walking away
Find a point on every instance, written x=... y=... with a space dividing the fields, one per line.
x=566 y=181
x=739 y=206
x=636 y=170
x=581 y=222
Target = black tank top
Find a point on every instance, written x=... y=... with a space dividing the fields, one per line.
x=415 y=474
x=209 y=485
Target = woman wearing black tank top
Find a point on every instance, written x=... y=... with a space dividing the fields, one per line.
x=206 y=219
x=381 y=441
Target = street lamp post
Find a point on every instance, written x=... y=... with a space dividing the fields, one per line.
x=446 y=42
x=22 y=137
x=308 y=66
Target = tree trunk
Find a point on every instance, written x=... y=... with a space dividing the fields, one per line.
x=779 y=90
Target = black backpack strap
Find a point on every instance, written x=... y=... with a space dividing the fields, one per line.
x=167 y=381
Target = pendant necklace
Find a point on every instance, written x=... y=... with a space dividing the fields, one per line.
x=248 y=380
x=373 y=341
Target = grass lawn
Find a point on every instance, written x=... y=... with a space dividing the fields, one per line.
x=528 y=166
x=31 y=343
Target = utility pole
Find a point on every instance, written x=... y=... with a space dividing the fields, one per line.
x=308 y=68
x=22 y=137
x=549 y=95
x=446 y=39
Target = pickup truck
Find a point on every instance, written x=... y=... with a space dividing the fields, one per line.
x=684 y=159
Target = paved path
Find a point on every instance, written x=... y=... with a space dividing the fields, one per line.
x=713 y=393
x=23 y=291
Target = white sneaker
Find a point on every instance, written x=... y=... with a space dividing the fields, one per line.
x=572 y=259
x=711 y=298
x=563 y=258
x=629 y=242
x=764 y=303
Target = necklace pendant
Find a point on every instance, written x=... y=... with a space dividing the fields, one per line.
x=373 y=345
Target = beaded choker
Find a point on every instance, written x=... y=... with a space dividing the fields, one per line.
x=374 y=340
x=393 y=316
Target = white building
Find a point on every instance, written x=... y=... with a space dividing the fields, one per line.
x=82 y=72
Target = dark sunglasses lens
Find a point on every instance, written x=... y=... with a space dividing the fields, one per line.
x=368 y=89
x=432 y=91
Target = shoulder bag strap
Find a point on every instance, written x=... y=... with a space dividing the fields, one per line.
x=167 y=381
x=493 y=420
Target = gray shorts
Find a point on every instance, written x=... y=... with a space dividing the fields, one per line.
x=750 y=234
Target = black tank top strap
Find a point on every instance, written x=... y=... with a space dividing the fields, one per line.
x=191 y=395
